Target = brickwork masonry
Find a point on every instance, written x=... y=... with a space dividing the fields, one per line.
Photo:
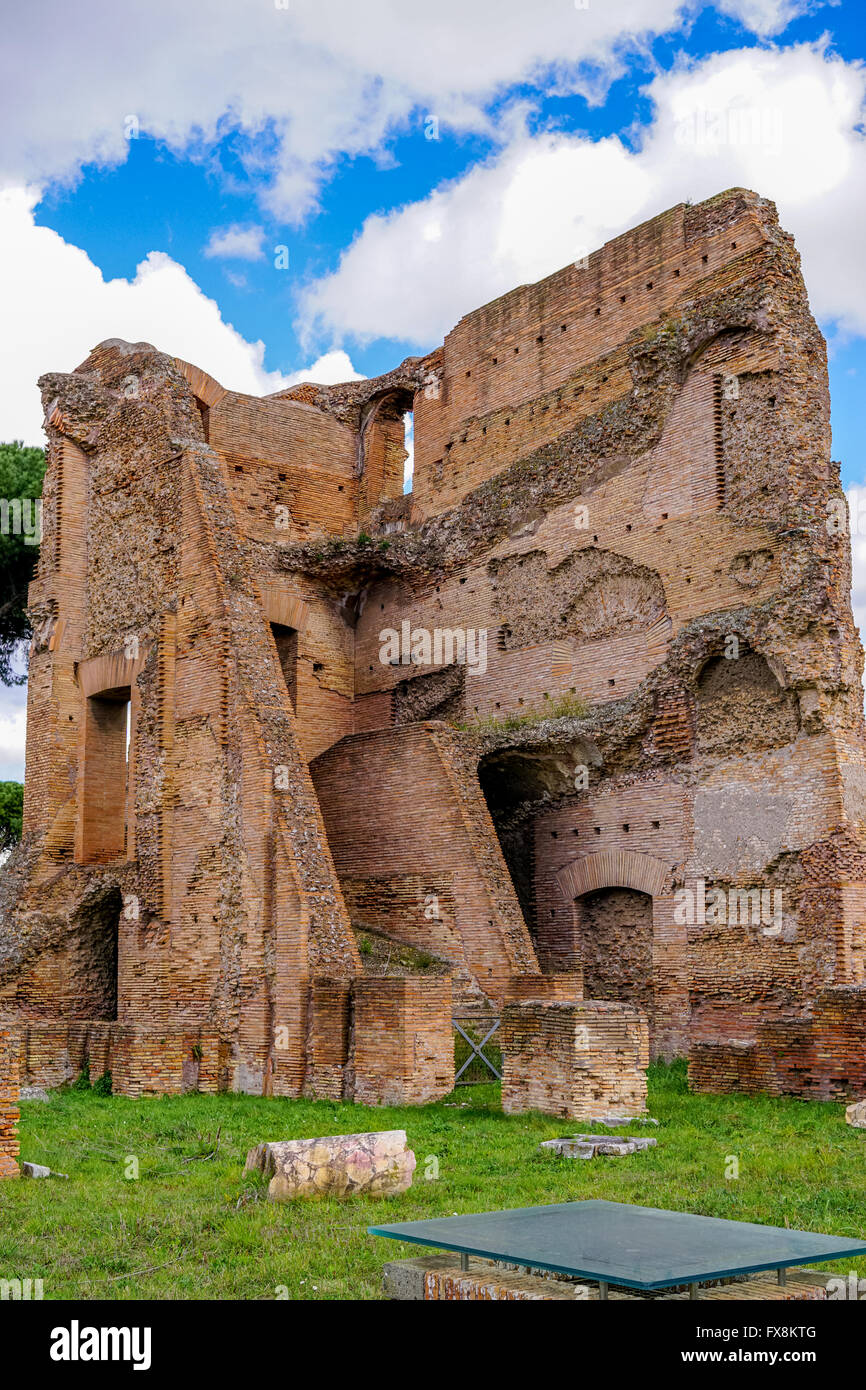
x=623 y=494
x=8 y=1104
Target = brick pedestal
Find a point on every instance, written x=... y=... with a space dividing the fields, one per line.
x=581 y=1060
x=439 y=1278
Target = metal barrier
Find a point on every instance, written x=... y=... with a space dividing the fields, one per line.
x=476 y=1049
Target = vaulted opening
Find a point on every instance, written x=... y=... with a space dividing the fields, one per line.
x=93 y=965
x=741 y=706
x=614 y=947
x=409 y=446
x=517 y=785
x=387 y=447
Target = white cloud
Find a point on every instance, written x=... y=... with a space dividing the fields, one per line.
x=767 y=17
x=857 y=513
x=328 y=370
x=785 y=122
x=13 y=728
x=57 y=306
x=318 y=80
x=236 y=243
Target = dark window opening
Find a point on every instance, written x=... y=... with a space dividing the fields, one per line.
x=614 y=946
x=204 y=412
x=286 y=639
x=105 y=811
x=93 y=961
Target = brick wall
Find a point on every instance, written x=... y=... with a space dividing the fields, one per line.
x=660 y=517
x=414 y=847
x=8 y=1104
x=819 y=1058
x=404 y=1043
x=141 y=1061
x=525 y=346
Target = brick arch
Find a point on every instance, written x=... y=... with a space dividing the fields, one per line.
x=619 y=868
x=113 y=670
x=707 y=339
x=205 y=387
x=280 y=605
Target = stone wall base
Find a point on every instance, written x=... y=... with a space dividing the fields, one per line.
x=142 y=1061
x=403 y=1052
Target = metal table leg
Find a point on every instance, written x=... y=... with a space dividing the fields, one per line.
x=783 y=1276
x=693 y=1290
x=464 y=1262
x=602 y=1289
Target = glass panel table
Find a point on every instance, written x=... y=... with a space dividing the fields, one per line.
x=630 y=1246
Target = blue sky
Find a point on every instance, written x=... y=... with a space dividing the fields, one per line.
x=151 y=165
x=158 y=198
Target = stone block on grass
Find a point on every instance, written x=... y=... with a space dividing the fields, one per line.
x=377 y=1164
x=595 y=1145
x=856 y=1114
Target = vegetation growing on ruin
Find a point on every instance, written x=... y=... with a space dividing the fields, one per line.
x=194 y=1225
x=569 y=706
x=382 y=955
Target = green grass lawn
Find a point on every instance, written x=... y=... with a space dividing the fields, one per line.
x=193 y=1226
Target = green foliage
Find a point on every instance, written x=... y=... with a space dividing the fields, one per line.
x=100 y=1087
x=365 y=946
x=21 y=473
x=11 y=812
x=194 y=1225
x=569 y=706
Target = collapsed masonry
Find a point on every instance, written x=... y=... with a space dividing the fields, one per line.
x=273 y=820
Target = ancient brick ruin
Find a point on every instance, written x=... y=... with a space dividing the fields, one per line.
x=578 y=716
x=9 y=1093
